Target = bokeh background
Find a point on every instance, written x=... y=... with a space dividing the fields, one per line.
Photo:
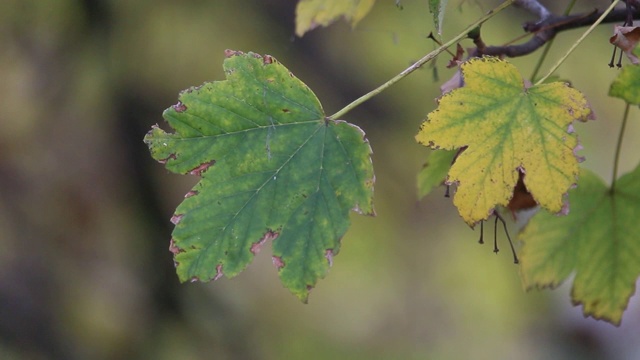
x=85 y=271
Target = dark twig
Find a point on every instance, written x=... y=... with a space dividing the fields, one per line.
x=534 y=7
x=629 y=8
x=613 y=56
x=627 y=22
x=495 y=236
x=504 y=224
x=547 y=29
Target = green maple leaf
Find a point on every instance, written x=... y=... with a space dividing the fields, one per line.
x=434 y=171
x=625 y=86
x=599 y=241
x=507 y=127
x=272 y=167
x=313 y=13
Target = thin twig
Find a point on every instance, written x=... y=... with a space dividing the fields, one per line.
x=546 y=49
x=534 y=7
x=547 y=29
x=616 y=158
x=575 y=45
x=420 y=62
x=504 y=224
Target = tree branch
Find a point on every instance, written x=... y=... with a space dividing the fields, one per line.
x=534 y=7
x=548 y=27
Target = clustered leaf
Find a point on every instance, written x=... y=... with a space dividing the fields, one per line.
x=272 y=167
x=598 y=240
x=509 y=129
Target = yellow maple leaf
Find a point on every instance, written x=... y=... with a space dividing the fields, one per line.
x=313 y=13
x=508 y=127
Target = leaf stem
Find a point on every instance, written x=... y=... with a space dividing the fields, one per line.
x=547 y=47
x=420 y=62
x=575 y=45
x=616 y=158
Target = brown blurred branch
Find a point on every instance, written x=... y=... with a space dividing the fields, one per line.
x=534 y=7
x=549 y=25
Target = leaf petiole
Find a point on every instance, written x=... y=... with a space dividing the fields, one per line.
x=420 y=62
x=575 y=45
x=616 y=158
x=547 y=47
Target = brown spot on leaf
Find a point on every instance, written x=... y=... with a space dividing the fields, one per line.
x=565 y=207
x=202 y=168
x=269 y=235
x=522 y=198
x=173 y=248
x=277 y=261
x=575 y=152
x=170 y=157
x=328 y=254
x=286 y=110
x=218 y=272
x=180 y=107
x=191 y=193
x=267 y=59
x=175 y=219
x=230 y=53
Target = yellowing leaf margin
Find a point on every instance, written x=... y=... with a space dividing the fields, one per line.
x=313 y=13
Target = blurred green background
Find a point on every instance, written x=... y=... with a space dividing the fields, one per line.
x=85 y=271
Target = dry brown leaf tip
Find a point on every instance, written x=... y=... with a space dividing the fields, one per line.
x=626 y=38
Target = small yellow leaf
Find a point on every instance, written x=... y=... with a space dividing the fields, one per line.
x=507 y=128
x=313 y=13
